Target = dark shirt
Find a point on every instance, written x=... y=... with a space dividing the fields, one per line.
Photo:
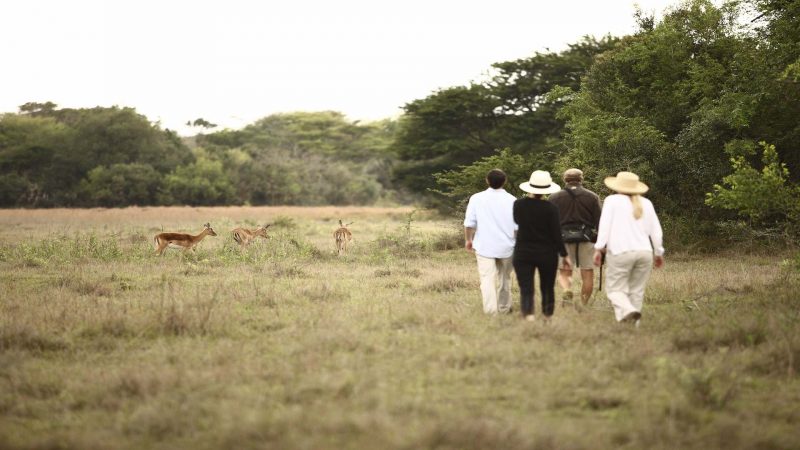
x=539 y=228
x=584 y=208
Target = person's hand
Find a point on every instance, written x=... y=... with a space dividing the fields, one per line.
x=567 y=264
x=658 y=262
x=468 y=246
x=598 y=258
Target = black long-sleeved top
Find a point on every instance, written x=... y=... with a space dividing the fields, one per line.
x=539 y=228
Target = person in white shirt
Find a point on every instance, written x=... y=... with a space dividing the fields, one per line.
x=489 y=231
x=631 y=237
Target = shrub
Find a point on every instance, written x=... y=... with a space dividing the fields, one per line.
x=765 y=197
x=121 y=185
x=458 y=185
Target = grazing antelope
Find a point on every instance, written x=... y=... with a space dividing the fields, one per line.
x=244 y=236
x=181 y=240
x=342 y=236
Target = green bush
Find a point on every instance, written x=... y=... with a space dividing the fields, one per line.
x=201 y=183
x=764 y=197
x=456 y=186
x=120 y=185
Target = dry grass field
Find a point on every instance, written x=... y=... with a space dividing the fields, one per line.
x=285 y=345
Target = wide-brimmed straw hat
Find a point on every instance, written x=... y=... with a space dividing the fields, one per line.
x=540 y=183
x=626 y=183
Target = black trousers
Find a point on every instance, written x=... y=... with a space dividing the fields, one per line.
x=547 y=265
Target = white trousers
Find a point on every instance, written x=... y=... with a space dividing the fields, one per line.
x=495 y=274
x=626 y=277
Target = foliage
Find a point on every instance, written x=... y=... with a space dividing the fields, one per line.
x=666 y=101
x=763 y=197
x=201 y=183
x=46 y=153
x=456 y=186
x=121 y=184
x=115 y=157
x=460 y=125
x=305 y=159
x=325 y=133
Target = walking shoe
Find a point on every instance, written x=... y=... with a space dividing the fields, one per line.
x=530 y=318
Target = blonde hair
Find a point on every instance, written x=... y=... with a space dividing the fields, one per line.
x=636 y=200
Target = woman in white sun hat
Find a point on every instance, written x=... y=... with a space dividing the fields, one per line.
x=631 y=236
x=539 y=243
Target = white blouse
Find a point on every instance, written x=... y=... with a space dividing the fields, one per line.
x=620 y=232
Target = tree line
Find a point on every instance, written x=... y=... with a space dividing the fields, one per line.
x=702 y=103
x=113 y=157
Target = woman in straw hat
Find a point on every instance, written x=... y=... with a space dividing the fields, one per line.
x=539 y=243
x=631 y=236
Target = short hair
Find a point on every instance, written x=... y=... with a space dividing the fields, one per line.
x=496 y=178
x=573 y=175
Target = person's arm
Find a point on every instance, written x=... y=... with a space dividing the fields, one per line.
x=656 y=237
x=596 y=211
x=469 y=235
x=555 y=232
x=470 y=225
x=603 y=233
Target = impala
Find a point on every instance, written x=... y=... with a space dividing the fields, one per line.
x=244 y=236
x=181 y=240
x=342 y=236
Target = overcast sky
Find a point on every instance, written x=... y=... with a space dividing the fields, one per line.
x=234 y=61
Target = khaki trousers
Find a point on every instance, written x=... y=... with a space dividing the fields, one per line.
x=626 y=277
x=495 y=274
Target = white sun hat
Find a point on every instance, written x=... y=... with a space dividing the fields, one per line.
x=626 y=183
x=540 y=183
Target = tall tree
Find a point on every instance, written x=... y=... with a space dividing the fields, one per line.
x=668 y=100
x=460 y=125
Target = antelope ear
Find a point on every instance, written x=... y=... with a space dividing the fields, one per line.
x=267 y=226
x=340 y=223
x=207 y=225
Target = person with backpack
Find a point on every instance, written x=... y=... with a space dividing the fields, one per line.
x=579 y=209
x=631 y=236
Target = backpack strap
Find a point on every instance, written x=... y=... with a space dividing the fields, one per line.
x=575 y=199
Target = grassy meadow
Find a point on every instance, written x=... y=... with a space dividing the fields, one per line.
x=286 y=345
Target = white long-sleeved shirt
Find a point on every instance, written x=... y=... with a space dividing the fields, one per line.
x=491 y=214
x=620 y=232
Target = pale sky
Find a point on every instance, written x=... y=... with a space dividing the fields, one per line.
x=234 y=61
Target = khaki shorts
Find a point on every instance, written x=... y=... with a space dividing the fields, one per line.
x=584 y=257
